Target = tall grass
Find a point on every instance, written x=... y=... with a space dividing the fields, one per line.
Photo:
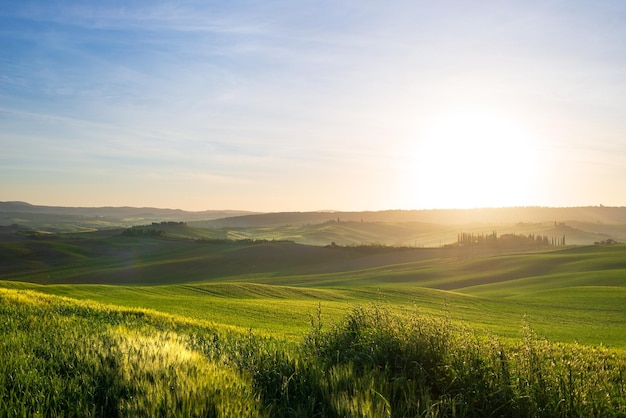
x=431 y=367
x=61 y=357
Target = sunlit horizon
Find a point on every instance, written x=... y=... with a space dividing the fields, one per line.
x=313 y=209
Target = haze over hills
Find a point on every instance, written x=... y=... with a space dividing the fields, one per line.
x=73 y=219
x=595 y=214
x=491 y=216
x=124 y=211
x=580 y=225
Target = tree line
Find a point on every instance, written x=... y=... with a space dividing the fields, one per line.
x=492 y=240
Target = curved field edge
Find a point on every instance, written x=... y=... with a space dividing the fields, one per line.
x=61 y=357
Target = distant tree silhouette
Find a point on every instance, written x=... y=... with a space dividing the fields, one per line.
x=507 y=240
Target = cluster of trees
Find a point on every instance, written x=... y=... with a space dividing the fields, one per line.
x=143 y=232
x=507 y=240
x=151 y=230
x=609 y=241
x=240 y=241
x=372 y=247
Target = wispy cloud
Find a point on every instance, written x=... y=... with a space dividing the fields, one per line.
x=282 y=91
x=142 y=15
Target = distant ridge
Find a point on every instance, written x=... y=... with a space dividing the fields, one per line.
x=240 y=218
x=490 y=216
x=124 y=211
x=430 y=228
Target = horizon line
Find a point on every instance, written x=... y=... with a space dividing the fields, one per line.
x=318 y=210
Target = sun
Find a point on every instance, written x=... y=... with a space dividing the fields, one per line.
x=474 y=157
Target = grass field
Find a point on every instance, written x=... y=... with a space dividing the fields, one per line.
x=61 y=356
x=292 y=302
x=274 y=286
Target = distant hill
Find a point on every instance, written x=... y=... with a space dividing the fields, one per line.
x=142 y=259
x=490 y=216
x=149 y=260
x=412 y=234
x=72 y=219
x=219 y=218
x=409 y=234
x=119 y=212
x=580 y=225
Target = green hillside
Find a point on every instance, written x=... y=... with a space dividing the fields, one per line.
x=409 y=234
x=146 y=259
x=167 y=319
x=275 y=286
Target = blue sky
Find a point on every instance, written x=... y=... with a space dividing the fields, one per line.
x=282 y=105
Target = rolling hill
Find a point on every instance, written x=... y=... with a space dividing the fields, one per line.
x=484 y=216
x=71 y=219
x=275 y=286
x=420 y=228
x=145 y=259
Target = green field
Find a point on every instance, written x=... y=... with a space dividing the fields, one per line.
x=282 y=294
x=274 y=286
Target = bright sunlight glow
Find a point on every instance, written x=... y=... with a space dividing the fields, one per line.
x=473 y=157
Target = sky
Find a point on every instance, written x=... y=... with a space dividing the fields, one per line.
x=313 y=105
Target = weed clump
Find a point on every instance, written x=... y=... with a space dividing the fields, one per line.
x=375 y=363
